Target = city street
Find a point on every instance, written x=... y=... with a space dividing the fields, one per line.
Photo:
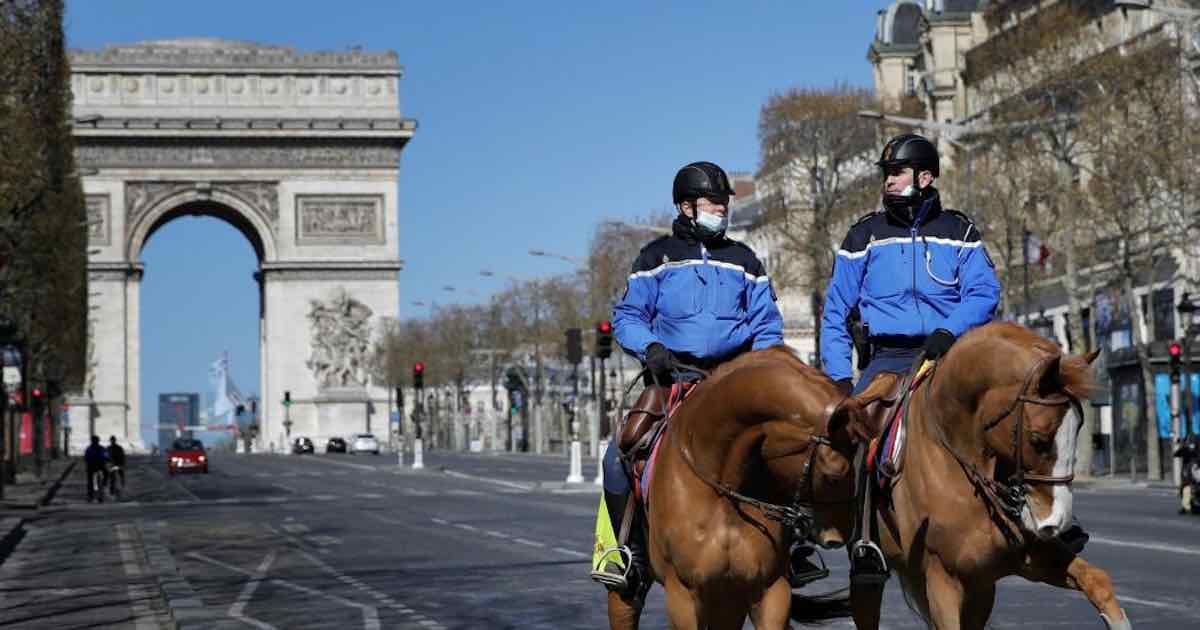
x=473 y=541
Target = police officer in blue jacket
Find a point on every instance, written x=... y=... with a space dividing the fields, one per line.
x=919 y=276
x=694 y=297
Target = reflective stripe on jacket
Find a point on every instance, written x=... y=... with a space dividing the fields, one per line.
x=907 y=279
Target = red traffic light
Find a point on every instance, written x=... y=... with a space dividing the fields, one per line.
x=418 y=368
x=1175 y=349
x=37 y=393
x=604 y=326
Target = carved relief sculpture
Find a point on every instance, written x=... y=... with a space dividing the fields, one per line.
x=341 y=341
x=262 y=197
x=339 y=219
x=99 y=219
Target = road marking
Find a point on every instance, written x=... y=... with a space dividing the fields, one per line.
x=295 y=528
x=334 y=462
x=323 y=497
x=470 y=528
x=441 y=521
x=466 y=493
x=288 y=489
x=236 y=610
x=138 y=593
x=368 y=495
x=492 y=532
x=501 y=482
x=531 y=543
x=1191 y=551
x=360 y=586
x=370 y=613
x=412 y=492
x=571 y=552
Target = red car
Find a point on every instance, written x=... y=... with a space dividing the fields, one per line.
x=187 y=454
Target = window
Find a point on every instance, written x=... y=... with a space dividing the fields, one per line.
x=1164 y=314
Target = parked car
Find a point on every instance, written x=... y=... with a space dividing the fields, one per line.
x=302 y=445
x=364 y=443
x=187 y=454
x=335 y=445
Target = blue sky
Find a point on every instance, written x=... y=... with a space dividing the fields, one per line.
x=537 y=120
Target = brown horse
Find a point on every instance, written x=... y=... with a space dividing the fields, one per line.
x=984 y=485
x=764 y=441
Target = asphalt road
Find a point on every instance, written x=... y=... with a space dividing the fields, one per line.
x=473 y=541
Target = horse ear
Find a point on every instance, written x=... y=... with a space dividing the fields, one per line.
x=1050 y=380
x=850 y=419
x=1090 y=357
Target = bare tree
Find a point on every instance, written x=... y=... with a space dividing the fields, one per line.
x=816 y=168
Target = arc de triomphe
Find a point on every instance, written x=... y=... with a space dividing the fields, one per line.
x=300 y=152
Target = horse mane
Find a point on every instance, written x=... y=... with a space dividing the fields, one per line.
x=1075 y=371
x=780 y=354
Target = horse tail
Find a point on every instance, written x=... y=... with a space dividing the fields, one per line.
x=810 y=609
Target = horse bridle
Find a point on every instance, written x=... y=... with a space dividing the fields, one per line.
x=1012 y=493
x=799 y=514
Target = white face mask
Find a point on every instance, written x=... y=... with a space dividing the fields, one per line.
x=711 y=224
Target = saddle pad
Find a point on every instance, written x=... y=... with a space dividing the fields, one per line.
x=679 y=392
x=887 y=450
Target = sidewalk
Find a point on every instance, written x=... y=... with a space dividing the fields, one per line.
x=23 y=498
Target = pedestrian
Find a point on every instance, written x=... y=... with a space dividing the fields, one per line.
x=116 y=457
x=95 y=459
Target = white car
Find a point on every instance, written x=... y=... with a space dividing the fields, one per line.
x=364 y=443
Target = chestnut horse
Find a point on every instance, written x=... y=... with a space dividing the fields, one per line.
x=984 y=484
x=761 y=448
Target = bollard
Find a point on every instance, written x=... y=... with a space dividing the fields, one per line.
x=576 y=475
x=600 y=463
x=418 y=454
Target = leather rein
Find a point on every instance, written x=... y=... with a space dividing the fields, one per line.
x=1010 y=494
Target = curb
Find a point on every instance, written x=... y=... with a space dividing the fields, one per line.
x=184 y=606
x=557 y=487
x=48 y=496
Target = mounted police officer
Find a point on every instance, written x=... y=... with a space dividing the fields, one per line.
x=694 y=297
x=919 y=277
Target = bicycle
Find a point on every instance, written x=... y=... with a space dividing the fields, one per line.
x=97 y=483
x=116 y=482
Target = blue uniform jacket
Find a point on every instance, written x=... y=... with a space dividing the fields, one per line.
x=707 y=302
x=907 y=279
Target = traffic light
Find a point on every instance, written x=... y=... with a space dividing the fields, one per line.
x=400 y=397
x=287 y=399
x=1175 y=352
x=419 y=375
x=574 y=345
x=604 y=339
x=37 y=401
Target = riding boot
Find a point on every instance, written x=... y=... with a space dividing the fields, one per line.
x=801 y=570
x=1073 y=537
x=867 y=564
x=623 y=565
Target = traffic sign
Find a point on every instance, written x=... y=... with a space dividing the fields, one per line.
x=12 y=376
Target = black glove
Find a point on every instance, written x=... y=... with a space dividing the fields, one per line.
x=659 y=360
x=845 y=386
x=938 y=343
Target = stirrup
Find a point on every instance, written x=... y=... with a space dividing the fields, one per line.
x=617 y=581
x=812 y=571
x=867 y=564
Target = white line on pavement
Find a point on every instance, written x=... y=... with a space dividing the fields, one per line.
x=288 y=489
x=368 y=495
x=334 y=462
x=323 y=497
x=235 y=611
x=531 y=543
x=571 y=552
x=470 y=528
x=500 y=482
x=496 y=534
x=441 y=521
x=1191 y=551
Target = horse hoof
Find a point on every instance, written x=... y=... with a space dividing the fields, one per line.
x=1122 y=624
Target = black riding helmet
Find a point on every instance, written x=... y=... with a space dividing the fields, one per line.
x=910 y=150
x=701 y=179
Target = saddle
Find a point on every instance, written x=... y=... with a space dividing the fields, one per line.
x=645 y=424
x=887 y=406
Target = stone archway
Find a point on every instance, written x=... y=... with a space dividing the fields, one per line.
x=299 y=152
